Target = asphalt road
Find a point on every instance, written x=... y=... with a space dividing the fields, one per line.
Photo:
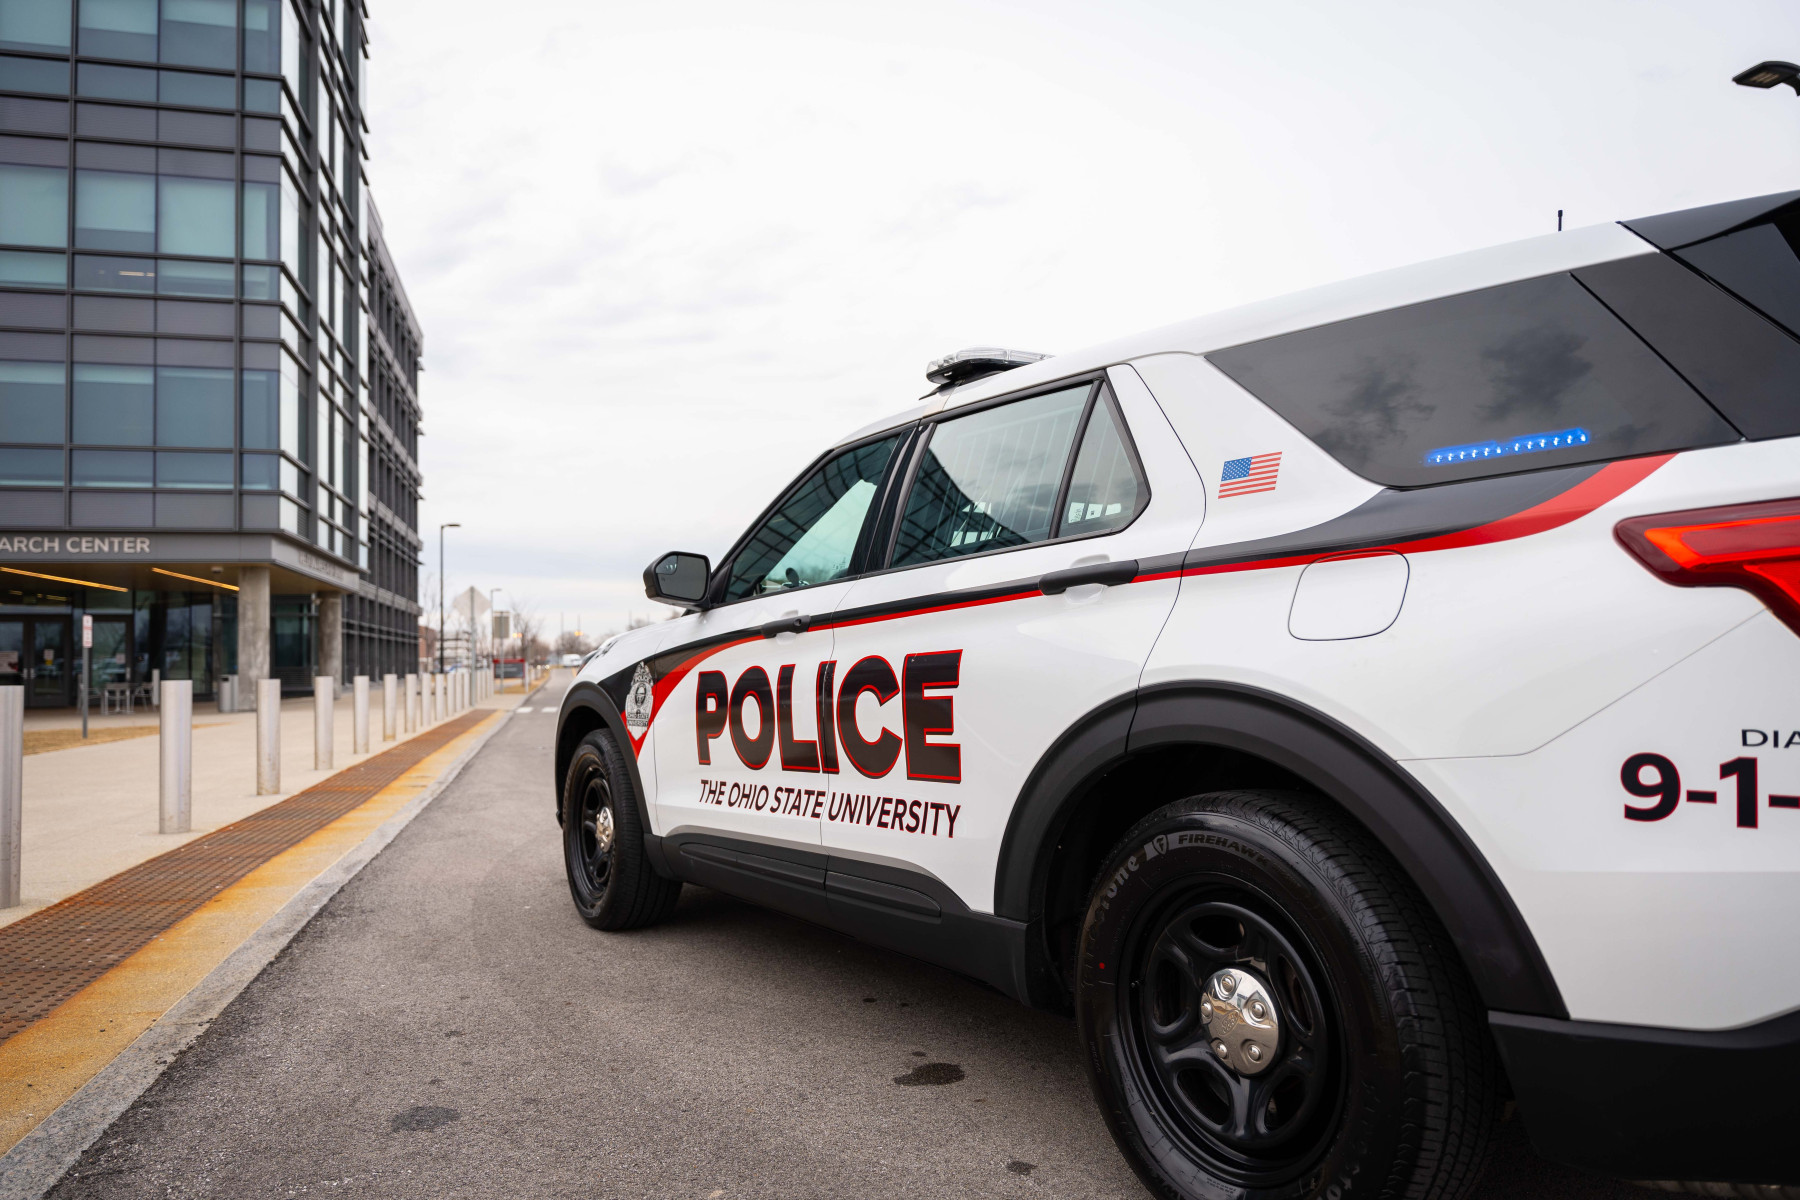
x=448 y=1027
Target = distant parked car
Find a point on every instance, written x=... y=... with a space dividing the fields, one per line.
x=572 y=660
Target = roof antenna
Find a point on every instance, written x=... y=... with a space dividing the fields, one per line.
x=1559 y=220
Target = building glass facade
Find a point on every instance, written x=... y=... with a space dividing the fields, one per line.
x=208 y=365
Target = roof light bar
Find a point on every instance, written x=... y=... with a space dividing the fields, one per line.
x=1755 y=547
x=977 y=362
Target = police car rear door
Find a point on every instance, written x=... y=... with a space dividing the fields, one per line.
x=737 y=748
x=1019 y=595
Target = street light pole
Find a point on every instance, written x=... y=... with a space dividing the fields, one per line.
x=441 y=528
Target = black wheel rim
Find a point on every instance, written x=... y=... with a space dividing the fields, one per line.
x=590 y=837
x=1252 y=1128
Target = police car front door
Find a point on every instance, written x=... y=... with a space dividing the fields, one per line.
x=955 y=670
x=737 y=747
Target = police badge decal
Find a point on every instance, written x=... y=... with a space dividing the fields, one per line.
x=639 y=700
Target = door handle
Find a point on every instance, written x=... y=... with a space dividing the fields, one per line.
x=785 y=625
x=1108 y=574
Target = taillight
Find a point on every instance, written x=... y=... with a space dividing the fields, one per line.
x=1751 y=546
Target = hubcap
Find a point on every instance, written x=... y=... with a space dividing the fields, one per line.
x=1240 y=1015
x=603 y=831
x=1231 y=1035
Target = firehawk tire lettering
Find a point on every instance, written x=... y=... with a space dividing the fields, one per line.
x=871 y=674
x=753 y=684
x=709 y=718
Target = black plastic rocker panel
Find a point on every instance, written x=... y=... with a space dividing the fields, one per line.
x=885 y=906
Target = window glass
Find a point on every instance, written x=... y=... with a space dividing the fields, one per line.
x=295 y=45
x=116 y=83
x=115 y=210
x=113 y=405
x=262 y=95
x=291 y=517
x=262 y=410
x=111 y=468
x=199 y=91
x=1105 y=492
x=811 y=536
x=293 y=386
x=990 y=479
x=34 y=205
x=22 y=268
x=31 y=402
x=197 y=216
x=35 y=25
x=31 y=468
x=177 y=278
x=1514 y=378
x=261 y=472
x=200 y=33
x=292 y=210
x=262 y=37
x=293 y=479
x=193 y=406
x=34 y=75
x=193 y=470
x=261 y=283
x=119 y=29
x=262 y=222
x=106 y=274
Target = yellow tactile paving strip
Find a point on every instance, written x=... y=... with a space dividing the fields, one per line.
x=91 y=973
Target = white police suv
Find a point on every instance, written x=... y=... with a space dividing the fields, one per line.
x=1360 y=709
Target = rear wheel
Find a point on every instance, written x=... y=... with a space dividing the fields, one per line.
x=610 y=878
x=1270 y=1010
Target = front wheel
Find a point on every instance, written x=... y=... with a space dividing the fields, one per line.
x=610 y=878
x=1270 y=1011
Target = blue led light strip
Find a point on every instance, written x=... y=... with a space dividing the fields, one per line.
x=1529 y=443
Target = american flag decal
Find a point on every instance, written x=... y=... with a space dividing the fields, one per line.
x=1246 y=476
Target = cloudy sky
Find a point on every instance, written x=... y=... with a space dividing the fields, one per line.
x=664 y=254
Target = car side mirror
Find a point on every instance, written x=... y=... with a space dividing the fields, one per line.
x=678 y=578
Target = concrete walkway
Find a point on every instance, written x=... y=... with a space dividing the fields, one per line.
x=91 y=812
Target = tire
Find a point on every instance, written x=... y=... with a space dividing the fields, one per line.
x=1374 y=1075
x=610 y=878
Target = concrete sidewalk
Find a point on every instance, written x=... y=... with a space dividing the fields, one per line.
x=91 y=811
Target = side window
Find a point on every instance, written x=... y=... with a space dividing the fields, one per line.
x=990 y=480
x=1105 y=492
x=996 y=478
x=811 y=536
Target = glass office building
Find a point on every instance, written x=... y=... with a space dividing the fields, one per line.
x=209 y=411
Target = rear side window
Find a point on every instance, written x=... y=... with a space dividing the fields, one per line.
x=1513 y=378
x=1050 y=466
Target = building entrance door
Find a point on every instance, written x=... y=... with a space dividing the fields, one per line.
x=34 y=654
x=110 y=659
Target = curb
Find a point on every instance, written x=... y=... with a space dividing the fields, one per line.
x=42 y=1157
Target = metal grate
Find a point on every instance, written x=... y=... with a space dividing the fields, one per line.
x=50 y=955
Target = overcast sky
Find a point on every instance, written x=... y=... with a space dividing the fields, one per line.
x=663 y=254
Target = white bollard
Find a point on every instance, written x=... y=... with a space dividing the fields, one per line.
x=324 y=687
x=411 y=700
x=359 y=732
x=427 y=699
x=268 y=736
x=12 y=791
x=389 y=686
x=443 y=696
x=177 y=792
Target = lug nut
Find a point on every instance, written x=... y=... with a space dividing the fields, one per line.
x=1221 y=1049
x=1227 y=984
x=1254 y=1051
x=1206 y=1009
x=1258 y=1009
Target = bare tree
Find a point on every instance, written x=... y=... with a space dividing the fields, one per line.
x=571 y=642
x=528 y=627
